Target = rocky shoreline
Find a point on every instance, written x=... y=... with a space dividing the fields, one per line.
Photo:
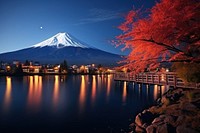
x=178 y=111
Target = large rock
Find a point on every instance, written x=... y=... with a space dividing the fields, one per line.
x=151 y=129
x=189 y=107
x=162 y=124
x=184 y=129
x=165 y=101
x=144 y=117
x=139 y=129
x=165 y=128
x=180 y=120
x=158 y=121
x=170 y=119
x=145 y=125
x=132 y=126
x=138 y=120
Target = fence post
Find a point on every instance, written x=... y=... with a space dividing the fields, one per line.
x=147 y=78
x=152 y=79
x=166 y=78
x=175 y=81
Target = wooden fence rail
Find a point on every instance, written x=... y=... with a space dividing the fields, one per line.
x=158 y=78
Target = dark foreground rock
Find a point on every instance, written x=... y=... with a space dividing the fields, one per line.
x=178 y=111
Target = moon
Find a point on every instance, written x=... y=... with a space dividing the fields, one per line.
x=41 y=27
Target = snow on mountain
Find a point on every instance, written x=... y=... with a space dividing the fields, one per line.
x=61 y=40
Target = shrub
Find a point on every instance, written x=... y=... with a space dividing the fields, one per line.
x=189 y=72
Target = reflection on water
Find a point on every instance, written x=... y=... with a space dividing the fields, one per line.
x=99 y=81
x=7 y=97
x=79 y=101
x=56 y=91
x=159 y=91
x=155 y=93
x=163 y=89
x=82 y=95
x=94 y=87
x=124 y=92
x=148 y=90
x=108 y=86
x=35 y=92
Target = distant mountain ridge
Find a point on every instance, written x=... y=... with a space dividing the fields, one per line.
x=63 y=46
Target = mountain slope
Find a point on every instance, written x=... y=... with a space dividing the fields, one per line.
x=61 y=47
x=61 y=40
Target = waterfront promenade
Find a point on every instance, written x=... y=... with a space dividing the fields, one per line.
x=158 y=78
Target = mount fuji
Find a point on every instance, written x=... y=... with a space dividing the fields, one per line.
x=63 y=46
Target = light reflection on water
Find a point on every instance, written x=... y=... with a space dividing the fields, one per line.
x=159 y=91
x=108 y=85
x=94 y=88
x=7 y=97
x=35 y=92
x=95 y=100
x=82 y=96
x=124 y=94
x=56 y=91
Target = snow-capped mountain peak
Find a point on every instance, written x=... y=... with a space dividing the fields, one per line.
x=61 y=40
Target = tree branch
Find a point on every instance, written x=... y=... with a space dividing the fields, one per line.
x=172 y=48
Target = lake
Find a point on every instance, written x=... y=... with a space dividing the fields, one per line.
x=71 y=104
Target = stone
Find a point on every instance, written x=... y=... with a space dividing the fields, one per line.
x=144 y=111
x=151 y=129
x=158 y=121
x=153 y=108
x=189 y=107
x=144 y=117
x=180 y=120
x=132 y=126
x=165 y=128
x=139 y=129
x=158 y=101
x=170 y=119
x=145 y=125
x=138 y=120
x=163 y=116
x=165 y=101
x=147 y=117
x=184 y=129
x=175 y=97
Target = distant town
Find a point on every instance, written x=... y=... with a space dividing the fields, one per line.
x=34 y=67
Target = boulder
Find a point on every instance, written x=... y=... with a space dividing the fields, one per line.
x=144 y=117
x=165 y=101
x=189 y=107
x=138 y=120
x=170 y=119
x=158 y=101
x=139 y=129
x=132 y=126
x=145 y=125
x=151 y=129
x=158 y=121
x=165 y=128
x=180 y=120
x=177 y=95
x=184 y=129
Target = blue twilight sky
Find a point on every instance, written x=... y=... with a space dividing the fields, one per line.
x=91 y=21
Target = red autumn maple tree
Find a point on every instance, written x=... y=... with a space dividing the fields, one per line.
x=170 y=33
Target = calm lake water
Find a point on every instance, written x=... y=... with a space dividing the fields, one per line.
x=71 y=104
